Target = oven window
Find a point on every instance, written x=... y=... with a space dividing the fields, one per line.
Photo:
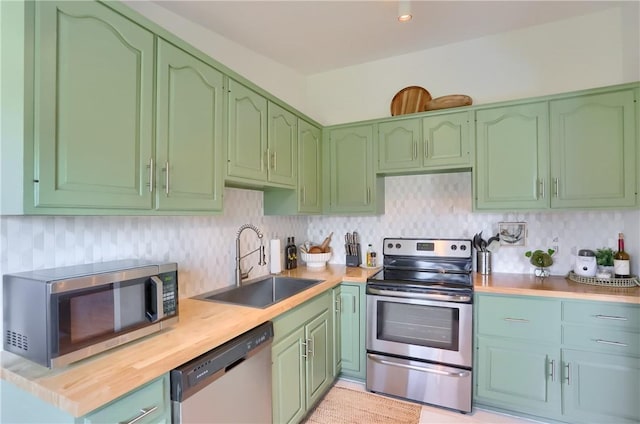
x=90 y=316
x=422 y=325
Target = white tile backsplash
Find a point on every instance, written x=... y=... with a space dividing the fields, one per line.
x=437 y=205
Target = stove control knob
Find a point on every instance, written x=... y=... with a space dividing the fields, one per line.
x=398 y=246
x=454 y=247
x=390 y=245
x=463 y=247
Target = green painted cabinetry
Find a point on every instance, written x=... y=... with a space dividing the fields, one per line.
x=352 y=306
x=307 y=198
x=262 y=140
x=150 y=403
x=433 y=143
x=353 y=185
x=336 y=297
x=89 y=153
x=189 y=157
x=302 y=358
x=593 y=150
x=512 y=157
x=567 y=360
x=572 y=151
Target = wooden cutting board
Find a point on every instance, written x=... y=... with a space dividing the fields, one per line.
x=445 y=102
x=410 y=100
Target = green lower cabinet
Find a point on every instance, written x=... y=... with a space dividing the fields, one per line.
x=600 y=387
x=148 y=404
x=336 y=297
x=517 y=376
x=302 y=358
x=352 y=306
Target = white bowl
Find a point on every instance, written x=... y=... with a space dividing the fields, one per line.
x=316 y=260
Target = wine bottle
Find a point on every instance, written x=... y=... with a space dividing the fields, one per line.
x=294 y=253
x=621 y=260
x=287 y=254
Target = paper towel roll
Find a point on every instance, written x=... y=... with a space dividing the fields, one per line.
x=275 y=256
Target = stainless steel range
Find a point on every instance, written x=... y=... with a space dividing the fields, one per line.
x=419 y=322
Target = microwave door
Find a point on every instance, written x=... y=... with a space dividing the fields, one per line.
x=154 y=309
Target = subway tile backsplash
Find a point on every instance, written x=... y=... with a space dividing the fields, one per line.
x=436 y=205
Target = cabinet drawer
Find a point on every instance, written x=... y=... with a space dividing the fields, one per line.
x=611 y=315
x=601 y=339
x=131 y=406
x=519 y=317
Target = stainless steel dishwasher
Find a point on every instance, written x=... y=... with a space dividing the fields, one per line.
x=229 y=384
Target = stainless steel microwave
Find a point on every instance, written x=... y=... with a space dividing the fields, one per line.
x=61 y=315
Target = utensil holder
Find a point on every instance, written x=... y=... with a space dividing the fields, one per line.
x=483 y=262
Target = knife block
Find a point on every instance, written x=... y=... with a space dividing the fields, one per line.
x=354 y=260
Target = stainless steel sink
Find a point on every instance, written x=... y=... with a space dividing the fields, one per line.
x=261 y=292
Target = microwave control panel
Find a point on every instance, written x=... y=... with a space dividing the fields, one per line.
x=169 y=292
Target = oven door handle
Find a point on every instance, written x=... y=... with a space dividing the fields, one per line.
x=423 y=296
x=382 y=361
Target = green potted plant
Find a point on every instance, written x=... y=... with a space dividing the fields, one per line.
x=604 y=259
x=541 y=260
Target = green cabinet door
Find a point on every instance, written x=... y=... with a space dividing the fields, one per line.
x=600 y=387
x=518 y=376
x=94 y=76
x=246 y=133
x=352 y=182
x=282 y=150
x=319 y=357
x=309 y=170
x=512 y=151
x=399 y=145
x=593 y=150
x=353 y=331
x=189 y=161
x=446 y=143
x=289 y=378
x=336 y=297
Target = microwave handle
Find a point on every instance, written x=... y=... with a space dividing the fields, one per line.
x=155 y=308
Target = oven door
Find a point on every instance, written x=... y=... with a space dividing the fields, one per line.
x=400 y=324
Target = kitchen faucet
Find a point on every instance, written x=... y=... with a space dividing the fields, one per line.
x=261 y=261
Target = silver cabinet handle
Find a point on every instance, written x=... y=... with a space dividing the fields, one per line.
x=426 y=148
x=611 y=317
x=368 y=195
x=305 y=347
x=275 y=160
x=518 y=320
x=151 y=175
x=556 y=185
x=568 y=367
x=143 y=413
x=415 y=149
x=310 y=346
x=607 y=342
x=338 y=305
x=166 y=177
x=354 y=304
x=542 y=188
x=552 y=365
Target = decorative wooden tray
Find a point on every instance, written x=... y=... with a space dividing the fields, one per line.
x=633 y=281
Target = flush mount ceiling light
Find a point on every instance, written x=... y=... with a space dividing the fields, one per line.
x=404 y=11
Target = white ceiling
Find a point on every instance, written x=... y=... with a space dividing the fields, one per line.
x=316 y=36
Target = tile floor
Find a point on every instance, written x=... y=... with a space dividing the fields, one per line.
x=433 y=415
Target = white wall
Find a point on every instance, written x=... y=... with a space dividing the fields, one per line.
x=593 y=50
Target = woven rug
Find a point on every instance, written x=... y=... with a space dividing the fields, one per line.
x=346 y=406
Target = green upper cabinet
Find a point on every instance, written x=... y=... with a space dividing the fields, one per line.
x=246 y=133
x=94 y=79
x=282 y=150
x=309 y=168
x=432 y=143
x=593 y=150
x=262 y=140
x=189 y=133
x=353 y=186
x=512 y=151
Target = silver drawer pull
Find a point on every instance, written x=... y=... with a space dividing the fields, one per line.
x=607 y=342
x=143 y=413
x=612 y=317
x=519 y=320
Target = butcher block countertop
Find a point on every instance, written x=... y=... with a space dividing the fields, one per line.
x=91 y=383
x=553 y=286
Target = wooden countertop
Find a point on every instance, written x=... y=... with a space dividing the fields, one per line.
x=205 y=325
x=553 y=286
x=202 y=326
